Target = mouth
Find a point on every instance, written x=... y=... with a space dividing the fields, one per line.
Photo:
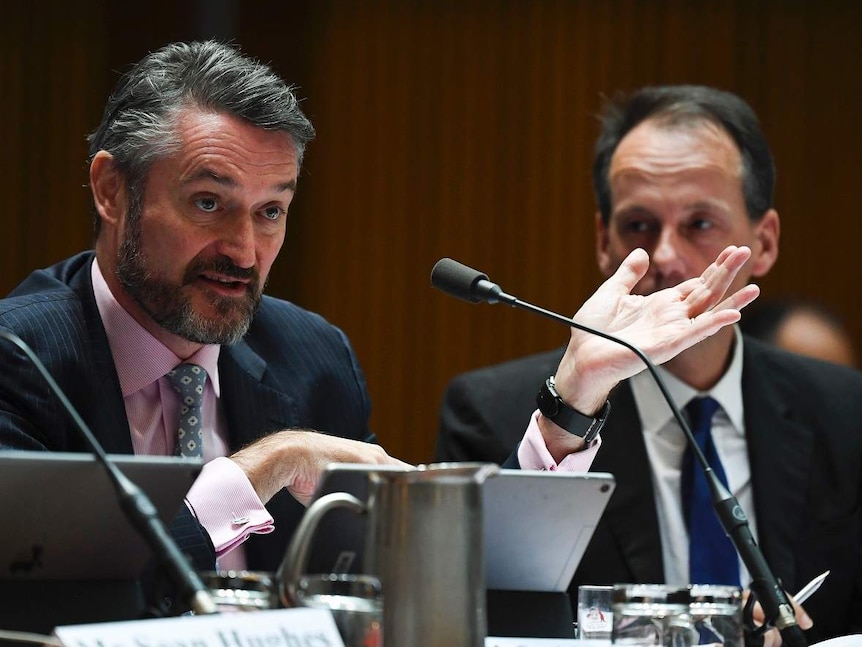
x=224 y=285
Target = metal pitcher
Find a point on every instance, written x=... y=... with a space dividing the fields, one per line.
x=424 y=541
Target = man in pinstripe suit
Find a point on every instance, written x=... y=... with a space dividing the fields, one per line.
x=192 y=171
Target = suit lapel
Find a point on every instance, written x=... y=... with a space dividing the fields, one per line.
x=630 y=516
x=107 y=417
x=779 y=451
x=252 y=409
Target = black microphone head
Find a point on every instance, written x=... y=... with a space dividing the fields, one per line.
x=457 y=279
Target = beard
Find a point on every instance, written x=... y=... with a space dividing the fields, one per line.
x=167 y=304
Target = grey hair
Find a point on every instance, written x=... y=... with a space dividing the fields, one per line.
x=138 y=124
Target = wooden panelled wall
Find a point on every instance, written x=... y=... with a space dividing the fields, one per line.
x=452 y=128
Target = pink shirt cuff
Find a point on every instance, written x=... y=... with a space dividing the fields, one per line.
x=226 y=505
x=534 y=455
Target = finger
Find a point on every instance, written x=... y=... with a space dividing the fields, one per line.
x=740 y=299
x=772 y=638
x=711 y=286
x=726 y=266
x=631 y=270
x=802 y=618
x=724 y=314
x=728 y=260
x=707 y=324
x=407 y=467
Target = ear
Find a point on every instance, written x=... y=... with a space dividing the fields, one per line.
x=767 y=231
x=602 y=242
x=108 y=187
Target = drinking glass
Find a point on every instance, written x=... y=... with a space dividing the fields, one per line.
x=356 y=603
x=716 y=612
x=652 y=614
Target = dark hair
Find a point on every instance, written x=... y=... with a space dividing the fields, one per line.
x=138 y=124
x=688 y=105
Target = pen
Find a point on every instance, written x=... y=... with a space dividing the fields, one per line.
x=808 y=590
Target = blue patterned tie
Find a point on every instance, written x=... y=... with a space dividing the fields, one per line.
x=711 y=556
x=188 y=380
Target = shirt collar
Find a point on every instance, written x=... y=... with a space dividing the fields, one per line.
x=654 y=411
x=140 y=358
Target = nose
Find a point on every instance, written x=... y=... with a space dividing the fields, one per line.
x=666 y=258
x=237 y=240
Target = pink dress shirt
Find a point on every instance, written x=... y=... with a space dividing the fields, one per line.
x=534 y=455
x=222 y=498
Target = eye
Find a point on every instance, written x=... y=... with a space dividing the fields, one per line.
x=701 y=224
x=273 y=212
x=638 y=226
x=207 y=204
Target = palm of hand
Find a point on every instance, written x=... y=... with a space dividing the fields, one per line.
x=661 y=324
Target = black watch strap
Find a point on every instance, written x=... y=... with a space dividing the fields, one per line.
x=552 y=407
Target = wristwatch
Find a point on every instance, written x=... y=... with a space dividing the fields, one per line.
x=552 y=407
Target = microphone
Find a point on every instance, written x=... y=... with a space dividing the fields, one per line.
x=458 y=280
x=134 y=502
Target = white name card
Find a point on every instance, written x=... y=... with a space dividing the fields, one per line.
x=276 y=628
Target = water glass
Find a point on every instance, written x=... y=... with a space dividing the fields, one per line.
x=356 y=603
x=716 y=612
x=239 y=591
x=652 y=614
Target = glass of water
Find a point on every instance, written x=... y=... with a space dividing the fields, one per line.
x=239 y=591
x=356 y=603
x=652 y=614
x=716 y=612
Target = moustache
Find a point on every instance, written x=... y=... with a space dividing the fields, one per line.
x=221 y=265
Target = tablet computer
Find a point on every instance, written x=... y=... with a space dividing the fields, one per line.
x=62 y=521
x=536 y=525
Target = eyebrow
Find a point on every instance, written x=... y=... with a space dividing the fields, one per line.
x=707 y=205
x=698 y=205
x=229 y=182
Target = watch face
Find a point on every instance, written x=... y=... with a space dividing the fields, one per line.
x=548 y=404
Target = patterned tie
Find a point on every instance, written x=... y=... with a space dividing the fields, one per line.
x=711 y=556
x=188 y=380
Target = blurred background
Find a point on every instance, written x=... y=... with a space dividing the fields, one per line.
x=449 y=128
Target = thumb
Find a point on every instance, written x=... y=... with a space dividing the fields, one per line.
x=631 y=270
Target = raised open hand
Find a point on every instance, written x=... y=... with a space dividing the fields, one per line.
x=661 y=324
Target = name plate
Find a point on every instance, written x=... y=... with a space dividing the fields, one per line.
x=276 y=628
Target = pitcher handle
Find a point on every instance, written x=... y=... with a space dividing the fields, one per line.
x=296 y=556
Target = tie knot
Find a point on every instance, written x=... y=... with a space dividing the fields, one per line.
x=188 y=380
x=700 y=412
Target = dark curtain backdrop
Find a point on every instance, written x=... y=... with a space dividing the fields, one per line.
x=458 y=128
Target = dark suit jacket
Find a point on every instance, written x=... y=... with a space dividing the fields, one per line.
x=804 y=430
x=292 y=370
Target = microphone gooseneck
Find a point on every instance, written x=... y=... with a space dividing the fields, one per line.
x=136 y=505
x=468 y=284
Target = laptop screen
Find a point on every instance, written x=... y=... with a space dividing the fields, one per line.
x=62 y=519
x=536 y=525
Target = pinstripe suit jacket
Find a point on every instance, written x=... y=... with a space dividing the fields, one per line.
x=292 y=370
x=803 y=422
